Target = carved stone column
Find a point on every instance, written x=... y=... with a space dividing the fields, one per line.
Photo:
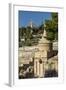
x=35 y=68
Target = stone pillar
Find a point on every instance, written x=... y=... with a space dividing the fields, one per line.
x=38 y=68
x=44 y=68
x=45 y=65
x=41 y=74
x=35 y=68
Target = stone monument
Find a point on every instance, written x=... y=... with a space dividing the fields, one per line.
x=40 y=58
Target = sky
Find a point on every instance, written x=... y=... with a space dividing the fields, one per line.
x=36 y=17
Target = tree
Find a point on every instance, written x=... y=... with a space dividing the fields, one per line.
x=52 y=27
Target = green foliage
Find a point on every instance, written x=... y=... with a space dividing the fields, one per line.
x=50 y=36
x=52 y=27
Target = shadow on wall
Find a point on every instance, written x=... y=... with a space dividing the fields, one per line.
x=51 y=73
x=52 y=53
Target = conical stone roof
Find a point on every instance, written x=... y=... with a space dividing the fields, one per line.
x=43 y=39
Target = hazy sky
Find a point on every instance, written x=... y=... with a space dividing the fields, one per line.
x=36 y=17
